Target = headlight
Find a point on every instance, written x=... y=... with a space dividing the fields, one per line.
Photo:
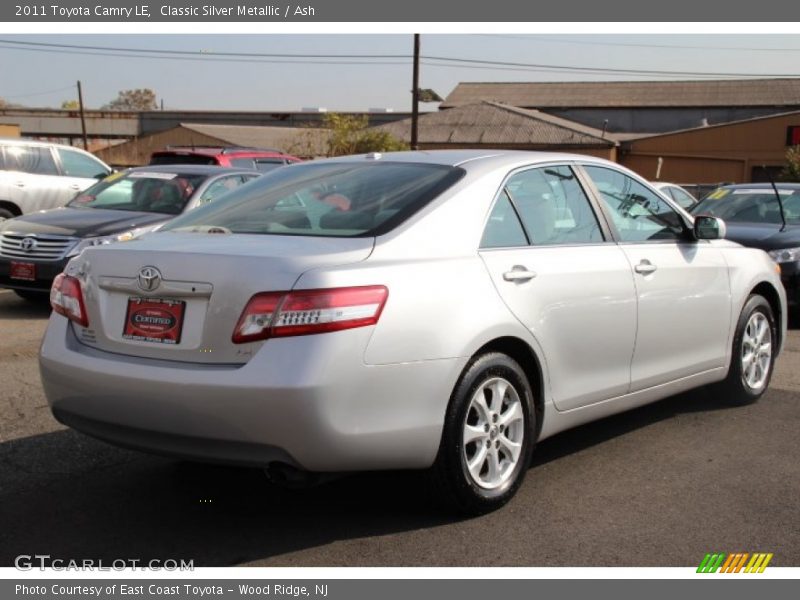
x=89 y=242
x=132 y=234
x=125 y=236
x=785 y=255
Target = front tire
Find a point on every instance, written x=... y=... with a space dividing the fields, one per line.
x=488 y=436
x=753 y=355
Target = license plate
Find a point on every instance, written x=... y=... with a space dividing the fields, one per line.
x=23 y=270
x=155 y=320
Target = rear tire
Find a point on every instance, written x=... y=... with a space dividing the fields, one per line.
x=5 y=214
x=488 y=436
x=753 y=354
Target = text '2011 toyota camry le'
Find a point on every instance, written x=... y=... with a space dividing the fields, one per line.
x=430 y=310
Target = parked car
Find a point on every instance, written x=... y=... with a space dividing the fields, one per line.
x=35 y=248
x=677 y=193
x=40 y=175
x=758 y=217
x=259 y=159
x=435 y=310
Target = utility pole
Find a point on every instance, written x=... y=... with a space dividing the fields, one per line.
x=83 y=118
x=415 y=96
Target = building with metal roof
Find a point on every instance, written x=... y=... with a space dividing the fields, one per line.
x=494 y=125
x=640 y=106
x=305 y=142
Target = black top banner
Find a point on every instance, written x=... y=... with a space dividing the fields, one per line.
x=435 y=11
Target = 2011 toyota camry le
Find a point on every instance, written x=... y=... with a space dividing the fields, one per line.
x=419 y=310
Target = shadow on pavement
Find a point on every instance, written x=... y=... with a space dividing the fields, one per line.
x=72 y=497
x=14 y=307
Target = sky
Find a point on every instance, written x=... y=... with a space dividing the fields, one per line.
x=187 y=71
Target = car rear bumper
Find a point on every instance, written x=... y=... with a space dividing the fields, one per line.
x=302 y=401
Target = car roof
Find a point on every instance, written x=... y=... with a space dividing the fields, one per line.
x=192 y=169
x=217 y=151
x=40 y=143
x=474 y=158
x=761 y=186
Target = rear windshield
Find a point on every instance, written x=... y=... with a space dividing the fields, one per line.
x=751 y=205
x=329 y=199
x=141 y=191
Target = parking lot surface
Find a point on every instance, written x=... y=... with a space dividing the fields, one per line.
x=657 y=486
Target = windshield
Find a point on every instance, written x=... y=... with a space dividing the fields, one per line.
x=332 y=199
x=751 y=205
x=141 y=191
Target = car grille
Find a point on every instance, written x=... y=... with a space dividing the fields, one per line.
x=45 y=247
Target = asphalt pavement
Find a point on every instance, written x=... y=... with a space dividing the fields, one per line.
x=658 y=486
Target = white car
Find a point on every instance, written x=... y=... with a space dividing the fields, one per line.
x=39 y=175
x=421 y=310
x=676 y=193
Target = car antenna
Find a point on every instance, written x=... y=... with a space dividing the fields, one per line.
x=777 y=195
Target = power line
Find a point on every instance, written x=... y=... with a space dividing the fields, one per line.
x=204 y=52
x=196 y=58
x=371 y=59
x=69 y=87
x=606 y=70
x=555 y=40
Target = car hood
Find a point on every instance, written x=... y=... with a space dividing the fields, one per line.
x=767 y=236
x=81 y=222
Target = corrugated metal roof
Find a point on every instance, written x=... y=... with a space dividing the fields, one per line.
x=631 y=94
x=282 y=138
x=497 y=124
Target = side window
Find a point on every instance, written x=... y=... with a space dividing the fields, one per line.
x=76 y=164
x=219 y=187
x=503 y=229
x=553 y=207
x=268 y=164
x=638 y=213
x=683 y=198
x=243 y=163
x=37 y=160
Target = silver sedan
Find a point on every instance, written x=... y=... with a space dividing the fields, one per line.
x=426 y=310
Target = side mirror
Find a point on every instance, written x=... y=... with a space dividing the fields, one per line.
x=709 y=228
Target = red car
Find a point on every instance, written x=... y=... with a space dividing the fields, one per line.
x=259 y=159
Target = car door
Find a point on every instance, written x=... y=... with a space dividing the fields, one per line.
x=30 y=178
x=555 y=267
x=78 y=172
x=682 y=284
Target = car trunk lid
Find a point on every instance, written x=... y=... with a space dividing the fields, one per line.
x=178 y=296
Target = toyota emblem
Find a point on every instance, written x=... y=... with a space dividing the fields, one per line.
x=149 y=278
x=28 y=244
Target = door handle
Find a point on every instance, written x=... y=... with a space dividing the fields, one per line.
x=19 y=183
x=645 y=267
x=518 y=273
x=75 y=187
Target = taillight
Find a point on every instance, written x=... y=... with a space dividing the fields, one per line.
x=66 y=298
x=304 y=312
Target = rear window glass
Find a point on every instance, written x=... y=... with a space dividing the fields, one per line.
x=182 y=159
x=332 y=199
x=141 y=191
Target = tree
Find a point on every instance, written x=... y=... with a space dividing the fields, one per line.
x=350 y=134
x=139 y=99
x=70 y=105
x=791 y=170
